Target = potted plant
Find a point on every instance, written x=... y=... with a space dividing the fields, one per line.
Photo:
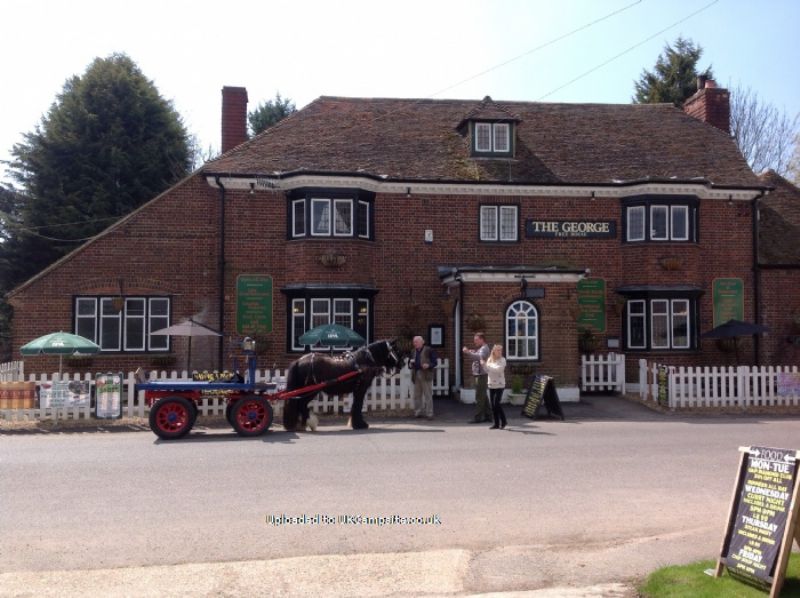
x=79 y=361
x=475 y=322
x=163 y=360
x=587 y=341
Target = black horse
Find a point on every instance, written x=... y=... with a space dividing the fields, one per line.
x=373 y=360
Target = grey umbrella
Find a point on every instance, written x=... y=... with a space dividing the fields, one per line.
x=734 y=329
x=188 y=328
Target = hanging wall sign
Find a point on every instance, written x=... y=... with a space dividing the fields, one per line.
x=253 y=304
x=728 y=297
x=570 y=229
x=592 y=304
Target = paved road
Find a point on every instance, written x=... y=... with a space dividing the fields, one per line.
x=612 y=493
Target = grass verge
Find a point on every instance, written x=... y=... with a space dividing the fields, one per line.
x=691 y=581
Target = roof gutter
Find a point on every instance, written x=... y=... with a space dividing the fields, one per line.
x=385 y=184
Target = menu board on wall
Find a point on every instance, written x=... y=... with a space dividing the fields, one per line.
x=592 y=304
x=253 y=304
x=728 y=297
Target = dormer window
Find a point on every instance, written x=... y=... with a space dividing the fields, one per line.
x=491 y=139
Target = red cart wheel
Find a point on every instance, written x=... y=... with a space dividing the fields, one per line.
x=251 y=416
x=172 y=417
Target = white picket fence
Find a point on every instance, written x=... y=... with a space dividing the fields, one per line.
x=720 y=386
x=385 y=393
x=603 y=373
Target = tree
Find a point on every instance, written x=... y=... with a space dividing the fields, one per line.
x=674 y=78
x=269 y=112
x=793 y=173
x=765 y=135
x=108 y=143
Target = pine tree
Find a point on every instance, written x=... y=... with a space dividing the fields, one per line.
x=674 y=78
x=270 y=112
x=108 y=144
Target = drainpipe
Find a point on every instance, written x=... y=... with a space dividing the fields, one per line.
x=459 y=354
x=756 y=278
x=221 y=271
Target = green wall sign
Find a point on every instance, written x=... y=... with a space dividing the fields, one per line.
x=253 y=304
x=592 y=304
x=728 y=297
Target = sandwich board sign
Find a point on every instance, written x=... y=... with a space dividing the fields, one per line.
x=542 y=393
x=762 y=520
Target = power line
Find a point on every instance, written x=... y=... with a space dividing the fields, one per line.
x=537 y=48
x=613 y=58
x=510 y=60
x=8 y=223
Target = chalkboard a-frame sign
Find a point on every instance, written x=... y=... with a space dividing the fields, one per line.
x=542 y=393
x=762 y=520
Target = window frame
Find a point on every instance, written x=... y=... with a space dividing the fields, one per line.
x=304 y=204
x=325 y=201
x=654 y=306
x=497 y=210
x=327 y=305
x=491 y=149
x=513 y=355
x=670 y=206
x=102 y=321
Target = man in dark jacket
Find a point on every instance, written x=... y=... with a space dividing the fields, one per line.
x=422 y=363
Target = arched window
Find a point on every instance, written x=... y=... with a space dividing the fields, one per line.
x=522 y=331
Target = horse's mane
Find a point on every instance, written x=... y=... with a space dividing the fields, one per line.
x=371 y=357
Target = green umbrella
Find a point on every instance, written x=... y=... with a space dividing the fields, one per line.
x=332 y=335
x=59 y=343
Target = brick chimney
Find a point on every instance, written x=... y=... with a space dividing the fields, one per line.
x=710 y=104
x=234 y=117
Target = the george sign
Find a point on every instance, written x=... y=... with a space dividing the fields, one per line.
x=592 y=304
x=762 y=521
x=253 y=304
x=570 y=229
x=542 y=393
x=65 y=394
x=728 y=298
x=108 y=396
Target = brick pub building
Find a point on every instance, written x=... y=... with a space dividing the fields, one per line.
x=554 y=228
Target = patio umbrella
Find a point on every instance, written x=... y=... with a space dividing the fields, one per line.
x=59 y=343
x=188 y=328
x=734 y=329
x=332 y=335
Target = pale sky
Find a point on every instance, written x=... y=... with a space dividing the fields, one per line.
x=420 y=49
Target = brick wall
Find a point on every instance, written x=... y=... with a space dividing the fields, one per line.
x=781 y=312
x=171 y=246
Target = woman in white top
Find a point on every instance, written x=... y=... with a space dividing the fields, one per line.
x=495 y=366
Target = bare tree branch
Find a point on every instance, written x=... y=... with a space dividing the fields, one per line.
x=766 y=136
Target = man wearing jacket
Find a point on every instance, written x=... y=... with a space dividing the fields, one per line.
x=422 y=363
x=481 y=353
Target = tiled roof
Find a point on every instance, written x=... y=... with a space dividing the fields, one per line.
x=779 y=225
x=411 y=140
